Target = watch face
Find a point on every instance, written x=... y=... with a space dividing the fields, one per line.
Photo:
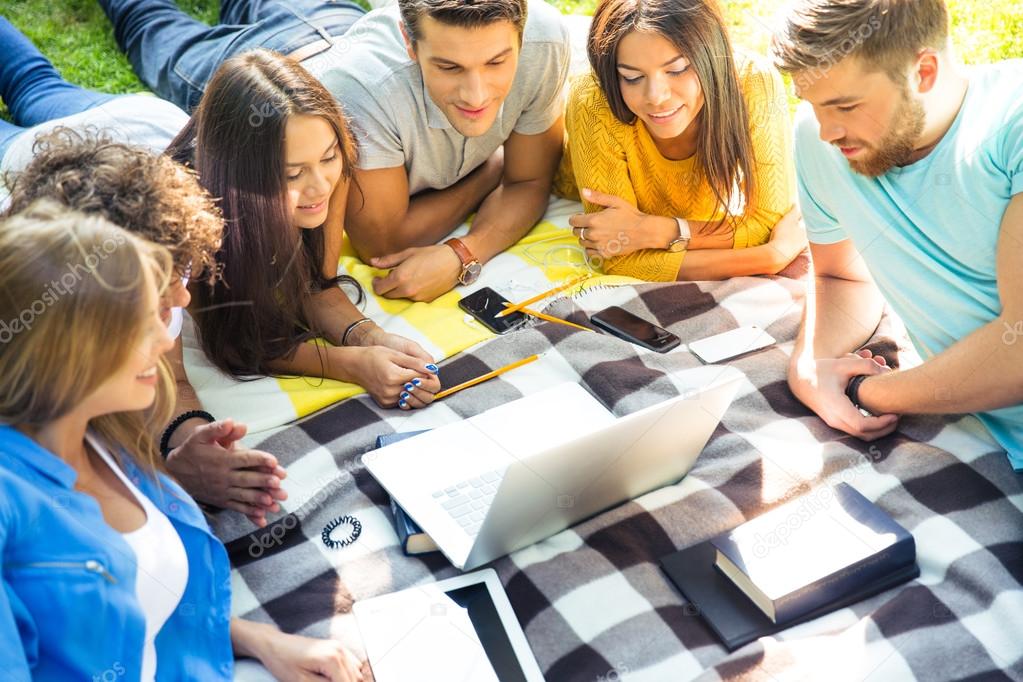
x=470 y=273
x=678 y=245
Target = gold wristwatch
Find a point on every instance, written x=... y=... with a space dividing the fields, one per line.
x=471 y=267
x=681 y=242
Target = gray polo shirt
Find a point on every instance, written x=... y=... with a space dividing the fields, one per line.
x=370 y=73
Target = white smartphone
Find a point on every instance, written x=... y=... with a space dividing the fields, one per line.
x=731 y=344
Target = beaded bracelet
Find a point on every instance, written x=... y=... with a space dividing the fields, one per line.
x=329 y=528
x=173 y=426
x=351 y=328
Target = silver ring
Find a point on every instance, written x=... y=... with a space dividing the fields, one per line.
x=582 y=234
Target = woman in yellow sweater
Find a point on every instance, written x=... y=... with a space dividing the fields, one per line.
x=682 y=156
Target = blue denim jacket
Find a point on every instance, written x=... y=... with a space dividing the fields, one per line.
x=68 y=609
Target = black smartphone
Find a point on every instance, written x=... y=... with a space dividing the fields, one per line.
x=634 y=329
x=485 y=304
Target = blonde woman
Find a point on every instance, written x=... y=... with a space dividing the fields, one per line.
x=108 y=567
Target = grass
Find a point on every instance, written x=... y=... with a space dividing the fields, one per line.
x=77 y=37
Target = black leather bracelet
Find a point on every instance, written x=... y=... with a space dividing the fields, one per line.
x=168 y=433
x=852 y=390
x=351 y=328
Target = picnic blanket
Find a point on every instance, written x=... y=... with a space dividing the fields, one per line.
x=592 y=601
x=548 y=254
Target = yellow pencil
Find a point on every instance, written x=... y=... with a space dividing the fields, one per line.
x=485 y=377
x=551 y=318
x=517 y=307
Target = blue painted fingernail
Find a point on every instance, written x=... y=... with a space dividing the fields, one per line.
x=432 y=368
x=417 y=382
x=405 y=396
x=409 y=386
x=402 y=403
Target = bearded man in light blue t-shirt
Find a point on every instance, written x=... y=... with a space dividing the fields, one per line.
x=910 y=175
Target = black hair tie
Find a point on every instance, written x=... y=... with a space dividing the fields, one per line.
x=341 y=520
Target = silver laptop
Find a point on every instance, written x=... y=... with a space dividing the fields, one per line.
x=519 y=473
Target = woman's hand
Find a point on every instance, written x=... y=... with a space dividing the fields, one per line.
x=788 y=240
x=392 y=377
x=620 y=228
x=376 y=336
x=292 y=658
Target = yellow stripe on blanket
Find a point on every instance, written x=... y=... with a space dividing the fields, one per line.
x=549 y=254
x=546 y=255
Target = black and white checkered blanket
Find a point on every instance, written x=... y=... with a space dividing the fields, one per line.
x=592 y=601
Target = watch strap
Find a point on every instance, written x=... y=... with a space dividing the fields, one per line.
x=684 y=231
x=462 y=251
x=681 y=242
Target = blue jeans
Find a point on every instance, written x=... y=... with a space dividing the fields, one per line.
x=175 y=55
x=32 y=89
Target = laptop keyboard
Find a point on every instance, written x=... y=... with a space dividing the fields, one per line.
x=467 y=502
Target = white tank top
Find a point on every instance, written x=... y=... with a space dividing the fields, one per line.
x=161 y=561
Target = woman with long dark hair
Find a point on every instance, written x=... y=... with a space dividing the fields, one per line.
x=273 y=146
x=681 y=153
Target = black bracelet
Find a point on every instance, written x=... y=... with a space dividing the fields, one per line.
x=852 y=390
x=351 y=328
x=329 y=528
x=178 y=421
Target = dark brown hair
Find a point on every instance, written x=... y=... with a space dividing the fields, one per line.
x=466 y=13
x=260 y=310
x=724 y=149
x=886 y=34
x=148 y=195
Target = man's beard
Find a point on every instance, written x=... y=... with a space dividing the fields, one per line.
x=897 y=146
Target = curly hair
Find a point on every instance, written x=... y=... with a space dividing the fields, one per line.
x=149 y=195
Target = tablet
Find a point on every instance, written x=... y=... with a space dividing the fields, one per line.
x=462 y=628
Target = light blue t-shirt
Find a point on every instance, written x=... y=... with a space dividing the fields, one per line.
x=928 y=232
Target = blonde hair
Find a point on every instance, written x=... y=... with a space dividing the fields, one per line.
x=73 y=304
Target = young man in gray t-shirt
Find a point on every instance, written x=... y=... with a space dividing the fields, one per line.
x=458 y=108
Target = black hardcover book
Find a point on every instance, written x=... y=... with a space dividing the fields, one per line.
x=843 y=550
x=412 y=538
x=812 y=551
x=731 y=614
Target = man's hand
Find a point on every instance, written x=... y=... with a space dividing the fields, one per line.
x=215 y=469
x=419 y=273
x=820 y=385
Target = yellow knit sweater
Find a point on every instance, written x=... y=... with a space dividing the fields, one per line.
x=609 y=156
